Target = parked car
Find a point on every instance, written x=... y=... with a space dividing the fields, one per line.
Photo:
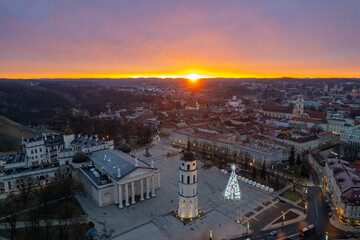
x=273 y=233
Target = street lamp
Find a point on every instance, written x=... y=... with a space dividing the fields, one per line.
x=210 y=232
x=247 y=226
x=283 y=218
x=306 y=204
x=326 y=236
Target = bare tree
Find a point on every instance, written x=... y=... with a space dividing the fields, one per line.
x=25 y=187
x=10 y=209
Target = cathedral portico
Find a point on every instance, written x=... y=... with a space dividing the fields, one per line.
x=115 y=177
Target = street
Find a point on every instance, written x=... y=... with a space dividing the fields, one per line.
x=317 y=214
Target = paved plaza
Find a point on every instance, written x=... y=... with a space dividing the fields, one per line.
x=152 y=218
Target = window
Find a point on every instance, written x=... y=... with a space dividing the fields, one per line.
x=194 y=164
x=182 y=164
x=188 y=179
x=188 y=167
x=32 y=151
x=40 y=150
x=182 y=178
x=194 y=179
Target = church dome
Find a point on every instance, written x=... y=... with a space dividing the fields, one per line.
x=124 y=148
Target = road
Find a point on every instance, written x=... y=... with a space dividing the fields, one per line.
x=317 y=214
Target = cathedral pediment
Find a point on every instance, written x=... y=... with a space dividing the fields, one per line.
x=138 y=173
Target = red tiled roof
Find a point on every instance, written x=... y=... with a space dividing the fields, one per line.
x=274 y=108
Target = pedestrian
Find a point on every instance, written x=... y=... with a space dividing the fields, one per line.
x=91 y=234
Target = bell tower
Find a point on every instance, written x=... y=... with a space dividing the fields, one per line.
x=298 y=110
x=188 y=205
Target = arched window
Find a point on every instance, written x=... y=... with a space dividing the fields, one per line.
x=188 y=167
x=194 y=179
x=182 y=178
x=188 y=179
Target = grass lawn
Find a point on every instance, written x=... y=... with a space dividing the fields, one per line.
x=288 y=216
x=292 y=195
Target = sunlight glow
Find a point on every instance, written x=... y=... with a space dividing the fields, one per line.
x=192 y=77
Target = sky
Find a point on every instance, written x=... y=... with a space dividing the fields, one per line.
x=223 y=38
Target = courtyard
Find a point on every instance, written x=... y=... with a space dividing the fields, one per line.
x=152 y=218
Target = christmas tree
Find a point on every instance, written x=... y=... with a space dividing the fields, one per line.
x=232 y=190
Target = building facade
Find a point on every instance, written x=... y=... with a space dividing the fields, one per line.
x=344 y=185
x=203 y=140
x=114 y=177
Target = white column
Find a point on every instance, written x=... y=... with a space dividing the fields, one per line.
x=147 y=188
x=153 y=186
x=120 y=197
x=142 y=189
x=132 y=193
x=127 y=194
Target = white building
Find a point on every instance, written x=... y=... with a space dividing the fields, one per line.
x=188 y=204
x=301 y=141
x=213 y=141
x=351 y=137
x=113 y=177
x=344 y=185
x=336 y=125
x=234 y=102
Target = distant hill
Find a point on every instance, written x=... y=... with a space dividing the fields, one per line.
x=10 y=135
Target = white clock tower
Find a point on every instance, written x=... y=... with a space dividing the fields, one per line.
x=188 y=206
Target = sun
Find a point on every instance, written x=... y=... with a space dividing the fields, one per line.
x=193 y=77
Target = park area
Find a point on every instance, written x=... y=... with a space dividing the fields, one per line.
x=292 y=195
x=48 y=211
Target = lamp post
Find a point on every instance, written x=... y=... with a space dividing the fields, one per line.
x=247 y=226
x=283 y=218
x=306 y=204
x=210 y=232
x=326 y=236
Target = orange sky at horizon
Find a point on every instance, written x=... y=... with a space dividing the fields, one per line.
x=231 y=39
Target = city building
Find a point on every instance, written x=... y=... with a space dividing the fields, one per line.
x=210 y=141
x=300 y=140
x=344 y=185
x=351 y=137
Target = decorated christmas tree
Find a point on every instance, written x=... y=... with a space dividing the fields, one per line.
x=232 y=190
